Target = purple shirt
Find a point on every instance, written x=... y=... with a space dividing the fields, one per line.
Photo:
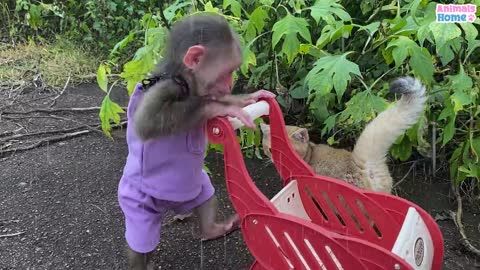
x=167 y=168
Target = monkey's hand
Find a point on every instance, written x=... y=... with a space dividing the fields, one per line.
x=245 y=100
x=261 y=94
x=216 y=109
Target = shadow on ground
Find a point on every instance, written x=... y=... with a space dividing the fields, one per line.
x=61 y=199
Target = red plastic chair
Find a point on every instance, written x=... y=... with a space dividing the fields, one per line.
x=317 y=222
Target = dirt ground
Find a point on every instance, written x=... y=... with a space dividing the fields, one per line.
x=59 y=209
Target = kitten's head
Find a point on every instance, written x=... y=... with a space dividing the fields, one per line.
x=298 y=138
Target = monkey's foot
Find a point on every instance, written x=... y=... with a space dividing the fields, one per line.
x=218 y=230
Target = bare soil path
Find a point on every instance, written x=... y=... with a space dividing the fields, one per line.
x=58 y=201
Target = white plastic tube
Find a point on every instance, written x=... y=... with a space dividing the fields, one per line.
x=255 y=111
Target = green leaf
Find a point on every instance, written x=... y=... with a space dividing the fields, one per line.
x=256 y=23
x=235 y=7
x=397 y=25
x=122 y=43
x=342 y=31
x=362 y=107
x=109 y=111
x=443 y=33
x=402 y=150
x=325 y=9
x=329 y=124
x=446 y=112
x=371 y=28
x=267 y=2
x=332 y=72
x=470 y=30
x=366 y=6
x=249 y=59
x=310 y=49
x=135 y=71
x=331 y=140
x=447 y=53
x=172 y=9
x=456 y=162
x=420 y=58
x=460 y=99
x=102 y=79
x=429 y=17
x=449 y=130
x=421 y=63
x=475 y=147
x=299 y=92
x=319 y=106
x=423 y=33
x=209 y=8
x=288 y=28
x=472 y=46
x=401 y=49
x=461 y=81
x=461 y=84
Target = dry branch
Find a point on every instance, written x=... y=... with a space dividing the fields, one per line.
x=54 y=100
x=406 y=175
x=43 y=132
x=457 y=218
x=23 y=102
x=53 y=139
x=11 y=234
x=87 y=109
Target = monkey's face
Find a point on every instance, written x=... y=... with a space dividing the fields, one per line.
x=213 y=72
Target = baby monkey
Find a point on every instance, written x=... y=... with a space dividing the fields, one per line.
x=166 y=133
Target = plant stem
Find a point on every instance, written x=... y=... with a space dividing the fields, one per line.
x=163 y=16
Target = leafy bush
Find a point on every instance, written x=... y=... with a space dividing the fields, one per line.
x=329 y=61
x=96 y=23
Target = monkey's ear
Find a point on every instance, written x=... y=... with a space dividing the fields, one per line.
x=193 y=56
x=301 y=135
x=265 y=128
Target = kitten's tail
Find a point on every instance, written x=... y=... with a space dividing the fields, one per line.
x=378 y=136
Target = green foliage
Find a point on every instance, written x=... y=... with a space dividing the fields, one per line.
x=312 y=52
x=328 y=60
x=97 y=23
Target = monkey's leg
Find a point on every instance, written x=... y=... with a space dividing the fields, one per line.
x=143 y=222
x=139 y=261
x=209 y=227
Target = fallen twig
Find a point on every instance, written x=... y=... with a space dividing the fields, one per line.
x=93 y=128
x=87 y=109
x=73 y=120
x=405 y=176
x=44 y=132
x=54 y=100
x=457 y=218
x=10 y=132
x=7 y=221
x=98 y=207
x=23 y=102
x=443 y=216
x=11 y=234
x=53 y=139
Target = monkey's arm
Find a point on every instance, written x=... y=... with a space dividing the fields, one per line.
x=162 y=113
